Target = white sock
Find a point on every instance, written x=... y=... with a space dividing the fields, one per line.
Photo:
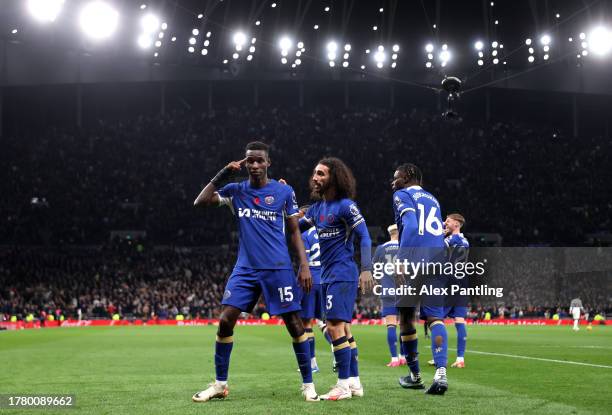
x=308 y=384
x=394 y=359
x=313 y=362
x=355 y=381
x=459 y=359
x=575 y=324
x=344 y=383
x=221 y=382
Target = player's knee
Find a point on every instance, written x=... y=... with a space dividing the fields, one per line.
x=294 y=324
x=226 y=325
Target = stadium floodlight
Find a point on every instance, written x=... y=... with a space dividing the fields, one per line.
x=528 y=41
x=347 y=47
x=192 y=41
x=144 y=41
x=428 y=65
x=239 y=40
x=379 y=58
x=395 y=48
x=45 y=10
x=332 y=46
x=285 y=43
x=600 y=41
x=582 y=36
x=204 y=52
x=300 y=45
x=345 y=64
x=429 y=48
x=480 y=62
x=195 y=32
x=478 y=45
x=545 y=40
x=14 y=31
x=149 y=23
x=98 y=20
x=235 y=56
x=200 y=16
x=249 y=57
x=531 y=59
x=191 y=49
x=445 y=56
x=363 y=67
x=495 y=44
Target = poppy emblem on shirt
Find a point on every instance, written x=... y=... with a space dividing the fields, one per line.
x=269 y=200
x=256 y=200
x=321 y=218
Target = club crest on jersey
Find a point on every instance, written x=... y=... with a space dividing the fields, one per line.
x=330 y=218
x=227 y=294
x=269 y=200
x=397 y=201
x=353 y=209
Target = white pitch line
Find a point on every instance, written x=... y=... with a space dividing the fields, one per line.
x=516 y=356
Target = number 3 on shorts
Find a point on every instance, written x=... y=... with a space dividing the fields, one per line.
x=328 y=305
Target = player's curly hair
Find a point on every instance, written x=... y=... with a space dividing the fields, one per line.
x=341 y=177
x=412 y=172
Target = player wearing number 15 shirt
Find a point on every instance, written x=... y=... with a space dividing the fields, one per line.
x=264 y=210
x=419 y=221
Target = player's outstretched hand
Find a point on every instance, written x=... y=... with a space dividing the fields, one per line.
x=304 y=278
x=366 y=282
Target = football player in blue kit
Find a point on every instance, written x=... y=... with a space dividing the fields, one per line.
x=263 y=208
x=387 y=254
x=421 y=238
x=458 y=251
x=312 y=302
x=338 y=221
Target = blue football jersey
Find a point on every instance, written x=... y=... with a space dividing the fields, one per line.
x=386 y=254
x=458 y=247
x=414 y=200
x=313 y=253
x=260 y=213
x=335 y=221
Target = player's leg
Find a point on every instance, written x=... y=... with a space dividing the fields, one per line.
x=307 y=322
x=339 y=299
x=408 y=337
x=461 y=328
x=439 y=348
x=295 y=327
x=354 y=381
x=311 y=308
x=241 y=293
x=282 y=296
x=223 y=351
x=390 y=321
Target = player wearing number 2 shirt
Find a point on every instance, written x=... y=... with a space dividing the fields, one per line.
x=419 y=220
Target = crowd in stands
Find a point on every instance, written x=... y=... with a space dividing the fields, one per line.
x=137 y=281
x=68 y=186
x=65 y=190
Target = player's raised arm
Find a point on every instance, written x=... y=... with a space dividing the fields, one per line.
x=209 y=196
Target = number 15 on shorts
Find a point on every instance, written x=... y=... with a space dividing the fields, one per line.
x=285 y=293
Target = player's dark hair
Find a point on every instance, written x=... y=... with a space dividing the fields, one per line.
x=258 y=145
x=412 y=173
x=341 y=177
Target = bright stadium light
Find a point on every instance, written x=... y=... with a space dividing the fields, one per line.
x=45 y=10
x=239 y=40
x=429 y=48
x=144 y=41
x=600 y=41
x=545 y=40
x=528 y=41
x=444 y=56
x=478 y=45
x=332 y=46
x=396 y=48
x=379 y=58
x=285 y=43
x=98 y=20
x=149 y=23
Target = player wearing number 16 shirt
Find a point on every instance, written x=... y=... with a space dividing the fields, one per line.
x=264 y=209
x=421 y=238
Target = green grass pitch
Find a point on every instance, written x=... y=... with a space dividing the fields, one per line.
x=145 y=370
